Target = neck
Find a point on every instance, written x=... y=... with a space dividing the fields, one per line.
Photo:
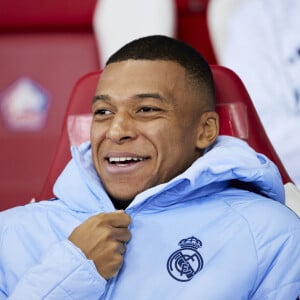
x=120 y=204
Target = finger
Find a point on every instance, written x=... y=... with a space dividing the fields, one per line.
x=122 y=234
x=122 y=248
x=120 y=219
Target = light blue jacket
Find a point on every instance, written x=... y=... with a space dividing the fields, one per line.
x=195 y=237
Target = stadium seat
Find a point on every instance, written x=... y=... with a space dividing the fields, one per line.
x=193 y=28
x=44 y=47
x=237 y=118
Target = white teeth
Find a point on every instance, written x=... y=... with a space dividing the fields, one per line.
x=123 y=159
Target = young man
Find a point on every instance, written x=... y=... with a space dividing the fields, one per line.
x=152 y=207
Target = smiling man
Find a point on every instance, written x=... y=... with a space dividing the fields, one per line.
x=145 y=130
x=156 y=205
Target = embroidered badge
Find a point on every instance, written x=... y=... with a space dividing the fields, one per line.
x=186 y=262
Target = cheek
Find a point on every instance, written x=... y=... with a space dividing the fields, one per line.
x=172 y=137
x=96 y=134
x=92 y=131
x=177 y=146
x=169 y=144
x=96 y=138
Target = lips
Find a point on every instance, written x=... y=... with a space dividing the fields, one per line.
x=124 y=160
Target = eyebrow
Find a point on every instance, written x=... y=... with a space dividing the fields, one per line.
x=99 y=97
x=150 y=95
x=137 y=96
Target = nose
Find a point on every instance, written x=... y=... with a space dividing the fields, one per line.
x=122 y=128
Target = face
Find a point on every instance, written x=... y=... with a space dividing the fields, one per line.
x=146 y=126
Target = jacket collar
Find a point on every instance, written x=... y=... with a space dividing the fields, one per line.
x=228 y=159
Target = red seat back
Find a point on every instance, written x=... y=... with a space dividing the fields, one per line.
x=192 y=26
x=80 y=104
x=238 y=116
x=51 y=44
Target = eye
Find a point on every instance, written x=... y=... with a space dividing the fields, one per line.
x=146 y=109
x=102 y=112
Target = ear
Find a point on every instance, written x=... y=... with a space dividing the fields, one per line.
x=208 y=129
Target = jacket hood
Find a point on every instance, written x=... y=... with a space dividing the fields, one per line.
x=228 y=160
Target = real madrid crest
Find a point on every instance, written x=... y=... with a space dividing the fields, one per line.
x=186 y=262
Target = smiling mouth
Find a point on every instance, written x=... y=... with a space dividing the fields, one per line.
x=124 y=161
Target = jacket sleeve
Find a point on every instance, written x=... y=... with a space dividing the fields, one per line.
x=278 y=275
x=63 y=273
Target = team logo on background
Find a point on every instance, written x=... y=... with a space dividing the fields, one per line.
x=186 y=262
x=24 y=105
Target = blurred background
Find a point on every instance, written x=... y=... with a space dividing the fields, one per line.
x=47 y=45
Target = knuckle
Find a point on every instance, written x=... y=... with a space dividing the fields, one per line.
x=102 y=218
x=127 y=235
x=128 y=218
x=106 y=233
x=118 y=260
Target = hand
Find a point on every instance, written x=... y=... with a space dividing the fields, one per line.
x=102 y=239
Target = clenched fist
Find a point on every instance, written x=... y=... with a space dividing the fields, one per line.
x=102 y=239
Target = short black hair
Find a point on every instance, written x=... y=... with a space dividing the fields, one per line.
x=160 y=47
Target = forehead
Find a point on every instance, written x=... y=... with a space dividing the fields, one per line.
x=140 y=75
